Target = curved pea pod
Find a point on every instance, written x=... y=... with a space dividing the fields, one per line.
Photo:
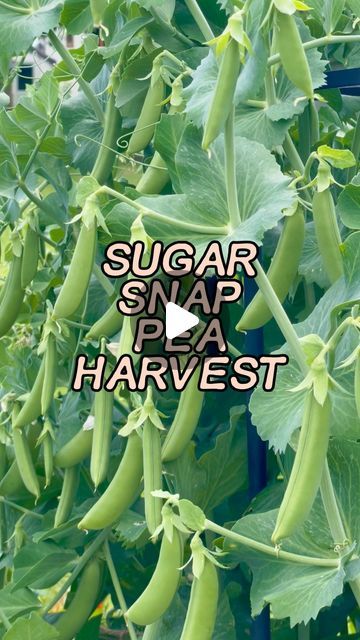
x=155 y=178
x=108 y=325
x=149 y=115
x=30 y=256
x=12 y=296
x=185 y=420
x=101 y=442
x=327 y=234
x=281 y=273
x=223 y=96
x=67 y=496
x=12 y=483
x=50 y=370
x=151 y=631
x=76 y=450
x=78 y=277
x=25 y=462
x=307 y=469
x=157 y=596
x=152 y=474
x=48 y=458
x=201 y=614
x=292 y=53
x=83 y=602
x=105 y=159
x=122 y=490
x=31 y=408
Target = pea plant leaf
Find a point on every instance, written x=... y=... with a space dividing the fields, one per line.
x=22 y=22
x=20 y=602
x=32 y=628
x=41 y=565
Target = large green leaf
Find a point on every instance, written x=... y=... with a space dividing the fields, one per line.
x=31 y=628
x=21 y=23
x=19 y=603
x=348 y=205
x=41 y=565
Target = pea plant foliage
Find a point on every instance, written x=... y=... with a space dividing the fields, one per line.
x=127 y=513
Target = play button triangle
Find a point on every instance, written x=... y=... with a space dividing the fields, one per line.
x=178 y=320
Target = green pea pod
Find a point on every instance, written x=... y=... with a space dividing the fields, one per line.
x=76 y=450
x=152 y=474
x=122 y=490
x=12 y=482
x=24 y=460
x=83 y=603
x=108 y=325
x=357 y=384
x=31 y=409
x=30 y=256
x=101 y=442
x=104 y=162
x=48 y=458
x=151 y=631
x=281 y=273
x=292 y=53
x=67 y=496
x=185 y=420
x=155 y=177
x=98 y=8
x=12 y=298
x=48 y=389
x=327 y=234
x=314 y=124
x=157 y=596
x=78 y=277
x=149 y=115
x=201 y=614
x=307 y=469
x=223 y=96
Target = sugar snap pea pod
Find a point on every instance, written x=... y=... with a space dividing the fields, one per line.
x=105 y=159
x=307 y=469
x=48 y=458
x=67 y=496
x=83 y=602
x=155 y=177
x=76 y=450
x=152 y=474
x=48 y=388
x=30 y=256
x=149 y=115
x=78 y=277
x=31 y=408
x=122 y=490
x=223 y=96
x=281 y=272
x=12 y=482
x=185 y=420
x=201 y=614
x=24 y=460
x=327 y=234
x=151 y=631
x=157 y=596
x=13 y=296
x=109 y=324
x=103 y=423
x=292 y=53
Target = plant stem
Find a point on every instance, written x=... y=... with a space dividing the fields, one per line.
x=319 y=42
x=303 y=632
x=292 y=154
x=39 y=203
x=280 y=316
x=118 y=590
x=200 y=19
x=230 y=171
x=39 y=142
x=76 y=71
x=4 y=619
x=14 y=505
x=77 y=325
x=88 y=553
x=180 y=224
x=355 y=148
x=271 y=551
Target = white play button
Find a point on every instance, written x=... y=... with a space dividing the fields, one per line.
x=178 y=320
